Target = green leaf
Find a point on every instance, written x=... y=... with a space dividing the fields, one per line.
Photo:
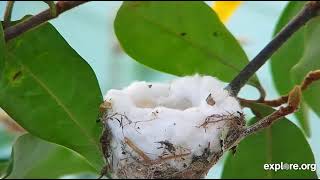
x=2 y=47
x=4 y=164
x=36 y=158
x=283 y=142
x=286 y=57
x=6 y=140
x=179 y=38
x=310 y=61
x=52 y=92
x=290 y=53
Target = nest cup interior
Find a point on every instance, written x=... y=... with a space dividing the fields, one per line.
x=180 y=94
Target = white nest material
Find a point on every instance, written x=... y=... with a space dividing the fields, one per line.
x=160 y=130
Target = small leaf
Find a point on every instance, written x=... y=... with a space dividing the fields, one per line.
x=52 y=92
x=283 y=143
x=36 y=158
x=179 y=38
x=286 y=57
x=309 y=62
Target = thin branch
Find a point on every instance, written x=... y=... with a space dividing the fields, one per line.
x=268 y=121
x=310 y=78
x=310 y=10
x=236 y=137
x=61 y=7
x=294 y=100
x=273 y=103
x=7 y=14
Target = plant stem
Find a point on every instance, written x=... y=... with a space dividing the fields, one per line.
x=61 y=7
x=268 y=121
x=52 y=7
x=310 y=78
x=310 y=10
x=7 y=14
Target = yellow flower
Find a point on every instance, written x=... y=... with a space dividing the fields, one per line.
x=225 y=9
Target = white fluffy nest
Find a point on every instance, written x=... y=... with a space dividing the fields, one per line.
x=171 y=130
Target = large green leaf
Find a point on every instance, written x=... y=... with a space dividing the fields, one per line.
x=290 y=53
x=282 y=142
x=286 y=57
x=179 y=38
x=36 y=158
x=310 y=61
x=52 y=92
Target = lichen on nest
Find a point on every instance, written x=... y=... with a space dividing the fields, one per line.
x=168 y=130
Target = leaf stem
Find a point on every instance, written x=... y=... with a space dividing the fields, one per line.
x=7 y=14
x=262 y=92
x=34 y=21
x=52 y=7
x=310 y=10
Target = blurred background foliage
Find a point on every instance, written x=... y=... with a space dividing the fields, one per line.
x=89 y=30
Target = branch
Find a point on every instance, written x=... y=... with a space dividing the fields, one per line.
x=61 y=7
x=310 y=78
x=310 y=10
x=268 y=121
x=7 y=14
x=294 y=99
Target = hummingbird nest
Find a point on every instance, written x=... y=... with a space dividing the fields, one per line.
x=173 y=130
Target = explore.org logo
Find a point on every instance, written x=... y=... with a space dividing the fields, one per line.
x=287 y=166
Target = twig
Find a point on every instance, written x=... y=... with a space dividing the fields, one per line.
x=160 y=160
x=267 y=121
x=310 y=10
x=308 y=80
x=7 y=14
x=293 y=104
x=61 y=7
x=273 y=103
x=234 y=139
x=137 y=150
